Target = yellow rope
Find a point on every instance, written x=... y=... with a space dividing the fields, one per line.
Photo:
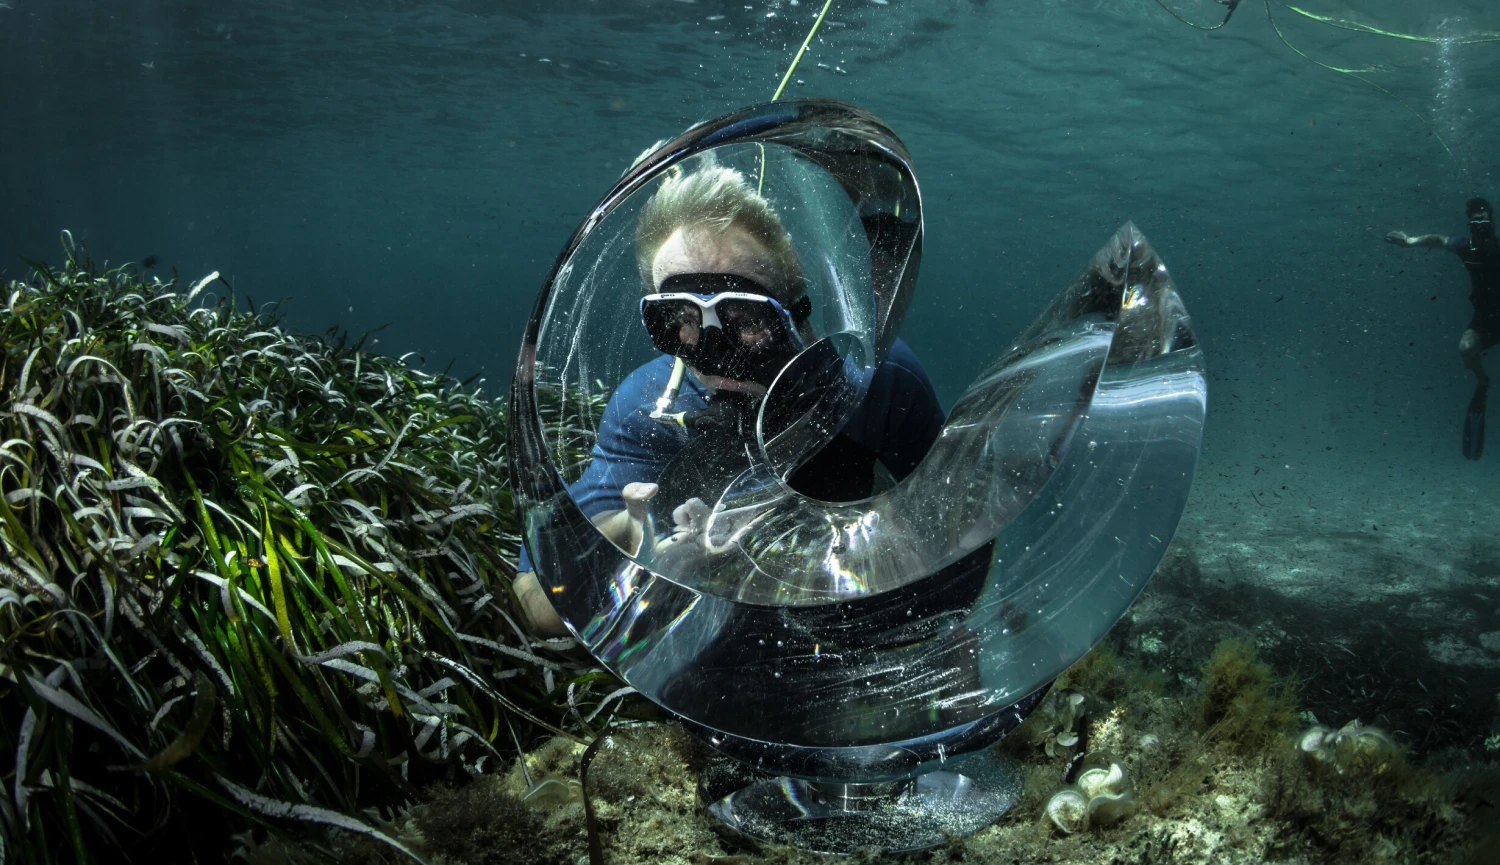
x=803 y=50
x=760 y=182
x=1355 y=73
x=678 y=367
x=1474 y=39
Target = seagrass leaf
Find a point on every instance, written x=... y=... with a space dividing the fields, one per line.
x=187 y=741
x=342 y=651
x=68 y=703
x=309 y=814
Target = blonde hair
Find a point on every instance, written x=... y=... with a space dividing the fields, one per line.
x=716 y=198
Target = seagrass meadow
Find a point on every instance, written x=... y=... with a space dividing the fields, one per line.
x=253 y=583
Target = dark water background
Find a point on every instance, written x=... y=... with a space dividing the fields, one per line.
x=420 y=164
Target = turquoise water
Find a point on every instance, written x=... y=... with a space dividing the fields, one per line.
x=419 y=165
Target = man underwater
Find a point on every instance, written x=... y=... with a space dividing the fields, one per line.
x=1480 y=253
x=726 y=297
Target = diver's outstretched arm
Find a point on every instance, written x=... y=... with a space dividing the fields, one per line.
x=1431 y=241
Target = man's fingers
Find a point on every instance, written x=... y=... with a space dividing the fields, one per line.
x=636 y=495
x=639 y=491
x=690 y=512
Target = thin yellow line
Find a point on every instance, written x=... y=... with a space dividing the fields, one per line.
x=803 y=50
x=1473 y=39
x=1354 y=73
x=760 y=181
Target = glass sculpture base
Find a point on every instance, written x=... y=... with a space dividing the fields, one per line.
x=842 y=818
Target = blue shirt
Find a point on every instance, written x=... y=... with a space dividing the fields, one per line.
x=898 y=421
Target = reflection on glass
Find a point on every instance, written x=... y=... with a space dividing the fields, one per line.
x=779 y=537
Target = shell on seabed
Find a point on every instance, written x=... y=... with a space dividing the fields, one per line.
x=1068 y=810
x=1111 y=796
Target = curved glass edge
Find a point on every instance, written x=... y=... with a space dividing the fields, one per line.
x=876 y=763
x=1061 y=573
x=860 y=154
x=1000 y=447
x=852 y=144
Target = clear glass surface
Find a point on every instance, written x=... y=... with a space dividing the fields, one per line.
x=867 y=640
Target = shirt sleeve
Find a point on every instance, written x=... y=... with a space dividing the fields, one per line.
x=630 y=448
x=914 y=418
x=900 y=417
x=1458 y=244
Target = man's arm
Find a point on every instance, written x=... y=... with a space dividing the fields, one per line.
x=614 y=488
x=623 y=528
x=1431 y=241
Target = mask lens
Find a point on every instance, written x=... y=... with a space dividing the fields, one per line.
x=719 y=334
x=672 y=324
x=682 y=313
x=751 y=323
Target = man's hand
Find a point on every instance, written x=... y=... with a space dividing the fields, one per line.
x=636 y=496
x=685 y=550
x=1399 y=238
x=623 y=528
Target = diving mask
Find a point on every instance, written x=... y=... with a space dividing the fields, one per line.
x=724 y=325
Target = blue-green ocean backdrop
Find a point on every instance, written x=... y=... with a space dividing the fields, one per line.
x=419 y=165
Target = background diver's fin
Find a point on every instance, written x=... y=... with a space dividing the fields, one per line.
x=1474 y=424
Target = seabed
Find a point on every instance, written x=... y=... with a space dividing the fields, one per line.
x=1232 y=716
x=1218 y=762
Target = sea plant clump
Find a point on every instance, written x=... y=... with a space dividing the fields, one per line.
x=1057 y=721
x=1242 y=709
x=242 y=569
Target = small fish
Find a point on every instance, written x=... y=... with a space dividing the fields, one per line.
x=150 y=261
x=149 y=64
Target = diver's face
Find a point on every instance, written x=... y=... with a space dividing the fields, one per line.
x=736 y=251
